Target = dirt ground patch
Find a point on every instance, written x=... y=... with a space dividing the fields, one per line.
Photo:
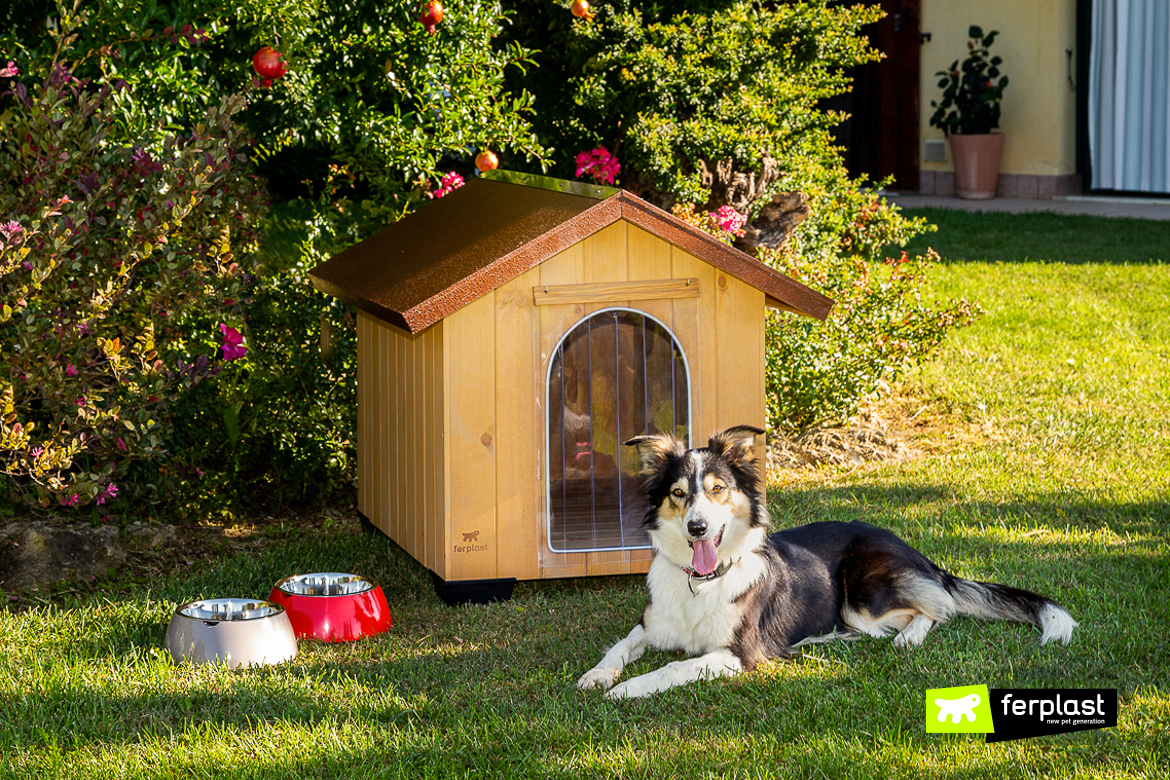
x=190 y=544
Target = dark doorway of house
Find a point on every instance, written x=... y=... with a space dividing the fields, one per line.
x=881 y=135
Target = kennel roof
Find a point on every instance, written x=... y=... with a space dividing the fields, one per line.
x=444 y=256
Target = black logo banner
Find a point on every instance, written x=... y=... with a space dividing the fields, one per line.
x=1019 y=713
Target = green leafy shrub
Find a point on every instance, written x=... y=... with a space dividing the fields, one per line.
x=106 y=247
x=276 y=429
x=367 y=87
x=879 y=327
x=668 y=89
x=882 y=321
x=665 y=87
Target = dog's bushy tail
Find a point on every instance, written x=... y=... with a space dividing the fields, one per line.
x=1001 y=602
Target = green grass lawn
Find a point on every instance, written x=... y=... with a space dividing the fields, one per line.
x=1045 y=439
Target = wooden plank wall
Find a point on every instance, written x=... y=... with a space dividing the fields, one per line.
x=401 y=411
x=471 y=375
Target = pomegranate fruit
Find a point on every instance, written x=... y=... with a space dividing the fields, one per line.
x=269 y=64
x=432 y=14
x=487 y=161
x=580 y=9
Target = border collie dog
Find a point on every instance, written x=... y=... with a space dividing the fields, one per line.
x=729 y=595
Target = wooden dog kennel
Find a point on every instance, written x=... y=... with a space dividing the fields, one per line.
x=510 y=336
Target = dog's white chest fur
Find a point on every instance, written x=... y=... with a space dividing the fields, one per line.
x=698 y=622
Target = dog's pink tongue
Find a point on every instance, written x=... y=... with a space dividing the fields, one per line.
x=705 y=557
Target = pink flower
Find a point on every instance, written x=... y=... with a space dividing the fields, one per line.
x=70 y=370
x=452 y=181
x=81 y=400
x=233 y=343
x=599 y=164
x=108 y=493
x=11 y=230
x=729 y=219
x=11 y=71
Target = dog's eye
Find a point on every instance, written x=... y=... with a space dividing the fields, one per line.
x=678 y=493
x=717 y=489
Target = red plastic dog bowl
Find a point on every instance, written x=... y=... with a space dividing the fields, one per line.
x=333 y=607
x=236 y=632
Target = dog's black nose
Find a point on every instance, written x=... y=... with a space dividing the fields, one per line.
x=697 y=527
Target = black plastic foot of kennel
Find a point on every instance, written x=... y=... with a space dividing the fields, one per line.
x=459 y=592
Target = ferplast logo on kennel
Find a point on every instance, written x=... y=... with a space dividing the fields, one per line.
x=965 y=709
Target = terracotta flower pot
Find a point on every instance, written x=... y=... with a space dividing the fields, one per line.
x=976 y=159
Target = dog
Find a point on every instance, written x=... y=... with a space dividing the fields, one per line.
x=725 y=592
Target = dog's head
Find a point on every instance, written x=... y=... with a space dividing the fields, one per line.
x=705 y=504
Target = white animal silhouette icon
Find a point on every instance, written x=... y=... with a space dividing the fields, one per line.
x=957 y=709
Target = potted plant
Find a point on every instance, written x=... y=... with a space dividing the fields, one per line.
x=968 y=112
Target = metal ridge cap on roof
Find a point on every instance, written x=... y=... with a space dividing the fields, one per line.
x=596 y=191
x=784 y=290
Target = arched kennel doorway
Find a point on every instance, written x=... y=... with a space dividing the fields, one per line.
x=616 y=374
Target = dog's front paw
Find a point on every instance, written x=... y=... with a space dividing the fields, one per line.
x=598 y=677
x=637 y=688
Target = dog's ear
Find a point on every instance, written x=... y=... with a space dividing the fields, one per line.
x=655 y=452
x=736 y=445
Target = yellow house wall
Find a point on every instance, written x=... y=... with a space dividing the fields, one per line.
x=1038 y=115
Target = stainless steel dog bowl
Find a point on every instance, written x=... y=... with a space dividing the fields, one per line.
x=237 y=632
x=332 y=607
x=325 y=583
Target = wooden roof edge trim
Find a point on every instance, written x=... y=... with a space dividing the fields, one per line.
x=781 y=292
x=358 y=302
x=504 y=269
x=775 y=303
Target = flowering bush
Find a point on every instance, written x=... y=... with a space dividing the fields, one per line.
x=276 y=427
x=725 y=224
x=107 y=245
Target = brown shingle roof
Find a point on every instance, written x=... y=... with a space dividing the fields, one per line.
x=434 y=262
